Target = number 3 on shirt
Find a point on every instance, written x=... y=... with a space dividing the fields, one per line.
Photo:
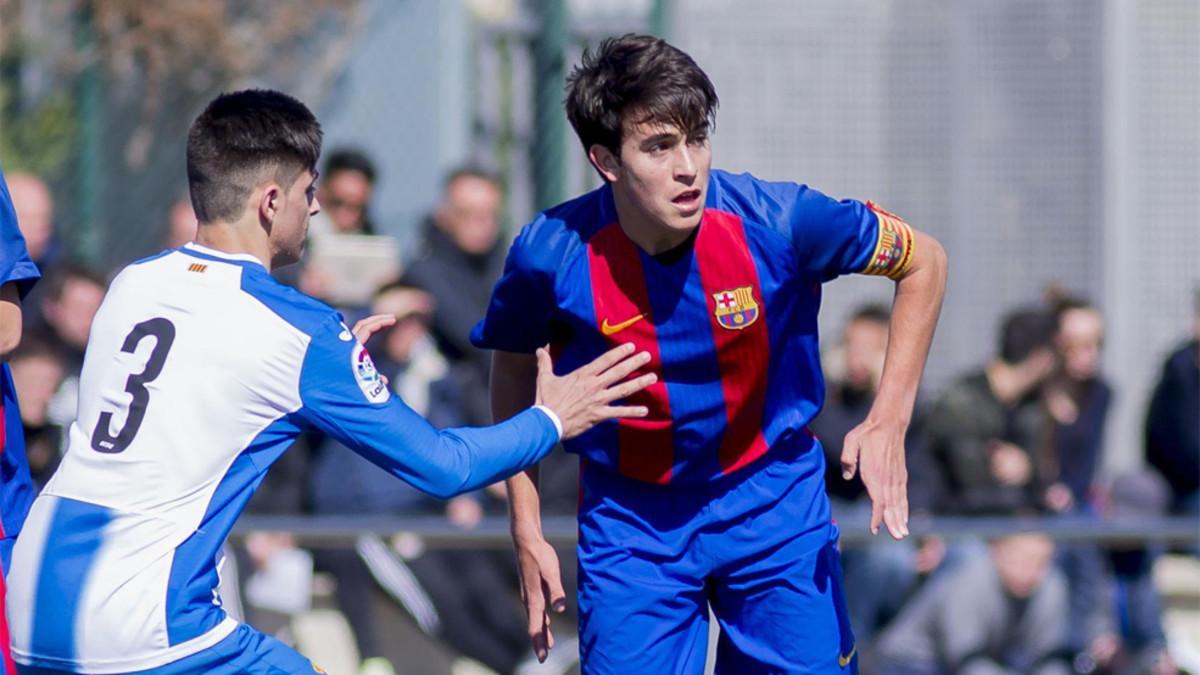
x=164 y=333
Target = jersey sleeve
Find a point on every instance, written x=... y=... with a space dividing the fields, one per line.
x=15 y=263
x=829 y=237
x=344 y=396
x=518 y=315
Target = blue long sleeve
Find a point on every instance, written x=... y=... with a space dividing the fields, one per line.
x=343 y=396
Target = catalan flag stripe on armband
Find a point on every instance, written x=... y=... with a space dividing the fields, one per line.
x=894 y=250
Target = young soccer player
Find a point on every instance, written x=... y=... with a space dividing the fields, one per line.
x=717 y=497
x=200 y=371
x=17 y=276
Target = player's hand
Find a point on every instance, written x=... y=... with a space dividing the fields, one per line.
x=365 y=328
x=876 y=450
x=582 y=398
x=541 y=590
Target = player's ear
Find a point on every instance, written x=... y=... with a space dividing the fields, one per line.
x=269 y=203
x=605 y=161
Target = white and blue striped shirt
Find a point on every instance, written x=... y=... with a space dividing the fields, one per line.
x=200 y=371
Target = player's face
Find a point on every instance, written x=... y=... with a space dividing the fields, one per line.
x=290 y=227
x=661 y=172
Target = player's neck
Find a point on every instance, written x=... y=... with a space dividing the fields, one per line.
x=644 y=230
x=230 y=238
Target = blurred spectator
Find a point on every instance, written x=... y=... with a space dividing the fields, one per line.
x=181 y=223
x=852 y=370
x=458 y=596
x=880 y=576
x=1172 y=434
x=997 y=614
x=37 y=372
x=345 y=188
x=72 y=296
x=459 y=258
x=985 y=428
x=1135 y=641
x=1076 y=398
x=345 y=260
x=35 y=217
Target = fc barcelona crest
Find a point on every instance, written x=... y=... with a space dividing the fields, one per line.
x=736 y=308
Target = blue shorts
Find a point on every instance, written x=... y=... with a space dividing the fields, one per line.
x=245 y=650
x=759 y=547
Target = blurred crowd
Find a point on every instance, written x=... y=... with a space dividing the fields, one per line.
x=1021 y=436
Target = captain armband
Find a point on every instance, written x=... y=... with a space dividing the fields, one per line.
x=894 y=250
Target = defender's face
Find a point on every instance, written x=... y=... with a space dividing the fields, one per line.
x=290 y=228
x=663 y=173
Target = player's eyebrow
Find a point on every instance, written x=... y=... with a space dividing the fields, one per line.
x=659 y=138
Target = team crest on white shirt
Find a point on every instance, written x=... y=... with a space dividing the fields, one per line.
x=369 y=379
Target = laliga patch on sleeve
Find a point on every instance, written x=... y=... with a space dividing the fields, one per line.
x=369 y=379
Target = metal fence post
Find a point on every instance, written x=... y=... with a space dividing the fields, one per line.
x=549 y=135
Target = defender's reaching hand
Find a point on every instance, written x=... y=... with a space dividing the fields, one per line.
x=365 y=328
x=582 y=398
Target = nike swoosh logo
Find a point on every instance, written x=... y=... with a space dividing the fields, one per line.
x=609 y=329
x=844 y=661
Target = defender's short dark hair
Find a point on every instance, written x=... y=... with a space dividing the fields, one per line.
x=240 y=137
x=1023 y=332
x=349 y=160
x=643 y=74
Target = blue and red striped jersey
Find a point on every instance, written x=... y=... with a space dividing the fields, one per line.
x=729 y=319
x=16 y=488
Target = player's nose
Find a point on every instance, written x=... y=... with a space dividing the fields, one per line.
x=685 y=162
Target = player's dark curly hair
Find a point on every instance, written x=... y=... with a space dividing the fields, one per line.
x=643 y=75
x=241 y=139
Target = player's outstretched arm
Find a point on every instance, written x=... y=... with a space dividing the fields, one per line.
x=344 y=396
x=875 y=448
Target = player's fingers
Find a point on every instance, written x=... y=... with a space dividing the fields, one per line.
x=628 y=388
x=617 y=411
x=555 y=595
x=535 y=615
x=624 y=368
x=891 y=518
x=549 y=635
x=535 y=604
x=876 y=514
x=367 y=327
x=607 y=360
x=896 y=509
x=849 y=456
x=540 y=648
x=544 y=365
x=539 y=627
